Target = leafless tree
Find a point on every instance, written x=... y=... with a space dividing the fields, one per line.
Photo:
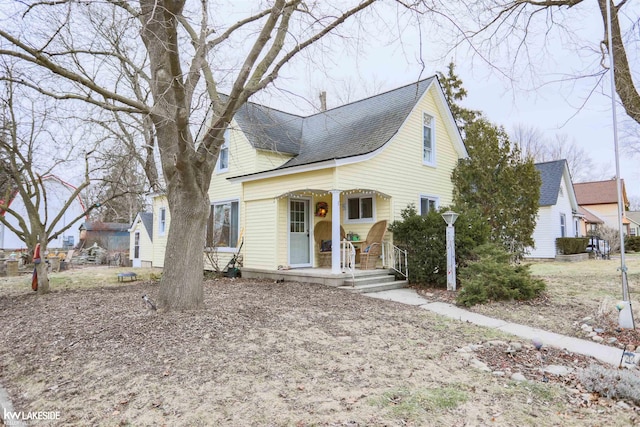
x=185 y=55
x=579 y=161
x=533 y=143
x=32 y=149
x=519 y=37
x=119 y=173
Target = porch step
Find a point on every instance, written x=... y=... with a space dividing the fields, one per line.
x=373 y=284
x=370 y=279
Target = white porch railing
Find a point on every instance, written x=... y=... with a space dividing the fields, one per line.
x=348 y=253
x=395 y=258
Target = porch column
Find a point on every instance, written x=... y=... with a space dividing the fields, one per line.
x=335 y=232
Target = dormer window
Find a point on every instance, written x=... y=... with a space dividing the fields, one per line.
x=428 y=140
x=223 y=157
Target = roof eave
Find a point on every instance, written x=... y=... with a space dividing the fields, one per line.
x=308 y=167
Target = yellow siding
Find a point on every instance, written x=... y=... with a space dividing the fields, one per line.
x=606 y=212
x=282 y=232
x=146 y=247
x=274 y=187
x=398 y=170
x=241 y=160
x=221 y=258
x=260 y=241
x=160 y=241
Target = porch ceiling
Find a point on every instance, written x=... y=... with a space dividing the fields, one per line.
x=311 y=192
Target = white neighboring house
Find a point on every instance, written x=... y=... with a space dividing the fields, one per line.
x=558 y=214
x=141 y=240
x=58 y=192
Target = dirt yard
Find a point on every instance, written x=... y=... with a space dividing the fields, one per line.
x=278 y=354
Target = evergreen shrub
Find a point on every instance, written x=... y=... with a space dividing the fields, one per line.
x=493 y=277
x=572 y=245
x=424 y=239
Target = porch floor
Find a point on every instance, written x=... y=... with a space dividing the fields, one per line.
x=322 y=276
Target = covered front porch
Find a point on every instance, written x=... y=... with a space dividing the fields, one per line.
x=356 y=218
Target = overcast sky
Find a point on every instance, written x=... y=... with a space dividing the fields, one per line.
x=579 y=108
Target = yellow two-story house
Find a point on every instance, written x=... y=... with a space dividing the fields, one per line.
x=280 y=175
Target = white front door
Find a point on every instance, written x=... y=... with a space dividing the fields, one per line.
x=299 y=241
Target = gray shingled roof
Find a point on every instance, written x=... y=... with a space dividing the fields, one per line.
x=551 y=174
x=350 y=130
x=147 y=221
x=269 y=129
x=634 y=216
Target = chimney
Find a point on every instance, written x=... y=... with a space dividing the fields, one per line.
x=323 y=101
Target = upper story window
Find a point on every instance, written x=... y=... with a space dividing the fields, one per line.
x=428 y=140
x=428 y=204
x=162 y=223
x=223 y=157
x=361 y=208
x=223 y=225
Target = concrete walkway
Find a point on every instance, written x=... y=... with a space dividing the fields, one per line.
x=607 y=354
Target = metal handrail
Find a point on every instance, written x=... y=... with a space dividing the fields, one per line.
x=348 y=252
x=396 y=259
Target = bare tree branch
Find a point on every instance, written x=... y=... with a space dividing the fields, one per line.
x=38 y=58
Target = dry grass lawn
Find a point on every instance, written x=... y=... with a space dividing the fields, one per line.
x=273 y=354
x=574 y=291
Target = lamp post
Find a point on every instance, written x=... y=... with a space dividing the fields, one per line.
x=626 y=313
x=450 y=218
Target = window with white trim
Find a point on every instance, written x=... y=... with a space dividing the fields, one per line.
x=223 y=156
x=136 y=245
x=223 y=224
x=428 y=139
x=428 y=204
x=162 y=222
x=563 y=225
x=361 y=208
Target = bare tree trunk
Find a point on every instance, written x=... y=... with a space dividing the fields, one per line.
x=187 y=179
x=42 y=271
x=625 y=87
x=43 y=277
x=181 y=284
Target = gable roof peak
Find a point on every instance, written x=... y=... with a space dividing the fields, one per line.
x=352 y=129
x=415 y=83
x=551 y=174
